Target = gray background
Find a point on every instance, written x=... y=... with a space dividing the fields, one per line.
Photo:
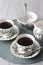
x=11 y=8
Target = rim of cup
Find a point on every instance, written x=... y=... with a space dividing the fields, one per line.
x=35 y=26
x=7 y=20
x=25 y=35
x=31 y=14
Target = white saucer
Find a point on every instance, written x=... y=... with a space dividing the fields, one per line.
x=14 y=51
x=13 y=33
x=32 y=17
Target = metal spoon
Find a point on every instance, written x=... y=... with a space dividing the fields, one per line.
x=25 y=4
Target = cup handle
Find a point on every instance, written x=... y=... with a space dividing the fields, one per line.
x=28 y=52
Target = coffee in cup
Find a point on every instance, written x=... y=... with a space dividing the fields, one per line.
x=25 y=43
x=6 y=27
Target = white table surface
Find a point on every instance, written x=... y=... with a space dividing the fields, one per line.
x=10 y=9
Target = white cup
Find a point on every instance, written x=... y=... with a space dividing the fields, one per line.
x=27 y=18
x=27 y=48
x=38 y=32
x=8 y=31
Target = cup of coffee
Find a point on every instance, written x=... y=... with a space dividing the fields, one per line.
x=6 y=27
x=25 y=43
x=38 y=30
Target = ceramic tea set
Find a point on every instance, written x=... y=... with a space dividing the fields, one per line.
x=20 y=47
x=24 y=45
x=8 y=30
